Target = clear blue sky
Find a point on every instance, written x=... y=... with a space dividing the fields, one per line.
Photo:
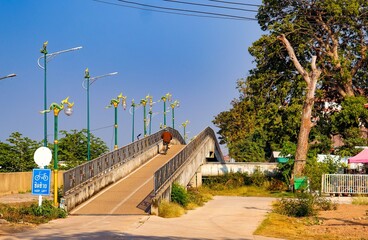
x=197 y=60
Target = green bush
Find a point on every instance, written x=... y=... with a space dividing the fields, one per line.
x=179 y=195
x=197 y=197
x=303 y=205
x=258 y=178
x=277 y=185
x=32 y=213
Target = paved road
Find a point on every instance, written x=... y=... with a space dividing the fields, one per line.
x=227 y=218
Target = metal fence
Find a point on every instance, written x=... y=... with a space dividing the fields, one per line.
x=345 y=184
x=105 y=163
x=167 y=171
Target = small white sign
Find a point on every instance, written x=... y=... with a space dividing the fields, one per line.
x=42 y=156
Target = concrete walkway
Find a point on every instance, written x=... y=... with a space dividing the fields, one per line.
x=227 y=218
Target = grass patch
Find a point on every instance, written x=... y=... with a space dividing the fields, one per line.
x=170 y=209
x=284 y=227
x=183 y=200
x=360 y=200
x=31 y=212
x=280 y=226
x=246 y=191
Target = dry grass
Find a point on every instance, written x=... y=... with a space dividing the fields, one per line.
x=170 y=210
x=360 y=200
x=279 y=226
x=245 y=191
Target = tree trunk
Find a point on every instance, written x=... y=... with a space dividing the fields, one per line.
x=306 y=125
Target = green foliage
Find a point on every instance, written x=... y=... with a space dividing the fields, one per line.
x=267 y=113
x=314 y=170
x=179 y=195
x=73 y=148
x=285 y=170
x=277 y=185
x=258 y=178
x=17 y=156
x=32 y=213
x=236 y=180
x=198 y=197
x=192 y=198
x=303 y=205
x=227 y=181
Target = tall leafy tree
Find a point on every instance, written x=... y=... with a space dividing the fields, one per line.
x=73 y=147
x=302 y=38
x=17 y=156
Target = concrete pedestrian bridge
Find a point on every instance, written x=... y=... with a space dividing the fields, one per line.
x=136 y=177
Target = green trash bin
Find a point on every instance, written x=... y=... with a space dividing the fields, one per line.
x=282 y=159
x=300 y=183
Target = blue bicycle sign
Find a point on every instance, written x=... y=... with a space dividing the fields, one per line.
x=42 y=176
x=41 y=181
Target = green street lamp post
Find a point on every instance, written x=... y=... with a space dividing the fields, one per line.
x=133 y=105
x=46 y=58
x=56 y=108
x=150 y=101
x=115 y=103
x=174 y=105
x=184 y=124
x=8 y=76
x=165 y=98
x=88 y=81
x=144 y=103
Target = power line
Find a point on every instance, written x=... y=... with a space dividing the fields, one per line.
x=174 y=13
x=236 y=3
x=210 y=5
x=186 y=10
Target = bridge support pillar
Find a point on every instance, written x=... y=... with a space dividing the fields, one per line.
x=196 y=180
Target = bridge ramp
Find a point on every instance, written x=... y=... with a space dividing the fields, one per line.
x=127 y=196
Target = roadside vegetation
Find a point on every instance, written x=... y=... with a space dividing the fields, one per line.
x=31 y=212
x=360 y=200
x=183 y=200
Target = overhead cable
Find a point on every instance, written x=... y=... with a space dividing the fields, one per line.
x=187 y=10
x=210 y=5
x=236 y=3
x=168 y=12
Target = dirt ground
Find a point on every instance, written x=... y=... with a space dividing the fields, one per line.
x=347 y=222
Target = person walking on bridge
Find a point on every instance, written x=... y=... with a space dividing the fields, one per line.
x=166 y=138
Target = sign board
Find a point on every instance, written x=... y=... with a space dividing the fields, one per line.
x=41 y=179
x=42 y=156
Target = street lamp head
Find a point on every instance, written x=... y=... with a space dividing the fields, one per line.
x=86 y=73
x=68 y=111
x=8 y=76
x=11 y=75
x=44 y=47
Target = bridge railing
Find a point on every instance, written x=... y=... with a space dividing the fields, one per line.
x=166 y=172
x=345 y=184
x=84 y=173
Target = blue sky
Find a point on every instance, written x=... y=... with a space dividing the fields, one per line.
x=197 y=60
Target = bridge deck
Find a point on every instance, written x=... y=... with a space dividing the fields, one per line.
x=128 y=194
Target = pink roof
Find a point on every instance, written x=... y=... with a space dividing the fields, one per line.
x=361 y=157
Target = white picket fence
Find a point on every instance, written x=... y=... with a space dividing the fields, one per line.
x=351 y=184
